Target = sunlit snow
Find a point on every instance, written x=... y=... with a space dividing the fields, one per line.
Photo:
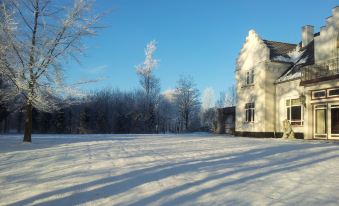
x=198 y=169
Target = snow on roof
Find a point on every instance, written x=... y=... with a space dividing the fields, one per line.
x=292 y=56
x=300 y=57
x=289 y=76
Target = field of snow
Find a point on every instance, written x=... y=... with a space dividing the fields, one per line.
x=167 y=170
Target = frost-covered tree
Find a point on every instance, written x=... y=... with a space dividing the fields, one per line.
x=187 y=100
x=39 y=36
x=6 y=88
x=167 y=114
x=150 y=86
x=208 y=111
x=145 y=70
x=227 y=99
x=208 y=99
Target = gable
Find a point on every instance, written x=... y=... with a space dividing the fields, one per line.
x=253 y=51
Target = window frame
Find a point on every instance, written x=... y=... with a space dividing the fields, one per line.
x=249 y=112
x=318 y=91
x=249 y=80
x=289 y=110
x=332 y=89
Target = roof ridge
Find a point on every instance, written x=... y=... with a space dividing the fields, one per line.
x=279 y=42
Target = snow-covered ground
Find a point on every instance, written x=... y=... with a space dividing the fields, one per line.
x=167 y=170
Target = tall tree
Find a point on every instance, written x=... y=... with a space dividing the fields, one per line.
x=39 y=35
x=150 y=86
x=208 y=99
x=187 y=99
x=6 y=88
x=227 y=99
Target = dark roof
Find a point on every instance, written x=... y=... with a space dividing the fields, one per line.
x=279 y=48
x=308 y=55
x=227 y=110
x=316 y=34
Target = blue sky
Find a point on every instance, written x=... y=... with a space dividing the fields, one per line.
x=201 y=38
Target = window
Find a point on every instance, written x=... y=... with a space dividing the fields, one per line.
x=249 y=110
x=319 y=94
x=294 y=111
x=250 y=77
x=333 y=92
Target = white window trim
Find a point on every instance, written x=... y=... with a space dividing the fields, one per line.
x=301 y=121
x=328 y=92
x=253 y=113
x=249 y=77
x=324 y=90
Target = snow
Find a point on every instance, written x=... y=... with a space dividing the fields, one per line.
x=293 y=56
x=289 y=76
x=197 y=169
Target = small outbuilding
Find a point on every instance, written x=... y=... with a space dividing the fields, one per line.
x=225 y=120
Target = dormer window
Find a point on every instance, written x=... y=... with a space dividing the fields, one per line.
x=249 y=77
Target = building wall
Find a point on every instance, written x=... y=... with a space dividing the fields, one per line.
x=284 y=91
x=326 y=44
x=255 y=55
x=326 y=48
x=251 y=93
x=270 y=98
x=310 y=103
x=274 y=71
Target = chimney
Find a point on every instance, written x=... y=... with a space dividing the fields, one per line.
x=307 y=34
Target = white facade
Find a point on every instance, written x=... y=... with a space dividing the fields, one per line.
x=275 y=81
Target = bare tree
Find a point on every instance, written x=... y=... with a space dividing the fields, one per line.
x=227 y=99
x=167 y=112
x=187 y=99
x=40 y=34
x=208 y=99
x=207 y=113
x=150 y=86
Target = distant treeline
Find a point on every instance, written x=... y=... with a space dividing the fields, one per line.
x=108 y=111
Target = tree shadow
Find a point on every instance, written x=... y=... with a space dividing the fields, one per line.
x=112 y=186
x=192 y=196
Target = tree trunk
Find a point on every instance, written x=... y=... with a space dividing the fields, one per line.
x=28 y=123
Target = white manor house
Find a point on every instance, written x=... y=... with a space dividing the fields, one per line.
x=277 y=81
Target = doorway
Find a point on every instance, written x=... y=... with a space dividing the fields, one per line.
x=335 y=121
x=320 y=121
x=326 y=121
